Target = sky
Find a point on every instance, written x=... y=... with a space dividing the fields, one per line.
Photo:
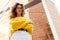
x=57 y=2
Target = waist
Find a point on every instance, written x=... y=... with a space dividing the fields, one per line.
x=23 y=30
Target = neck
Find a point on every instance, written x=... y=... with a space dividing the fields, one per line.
x=18 y=15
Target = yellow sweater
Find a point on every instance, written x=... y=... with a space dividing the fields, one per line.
x=20 y=22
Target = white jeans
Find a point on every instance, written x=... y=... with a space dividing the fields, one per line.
x=21 y=35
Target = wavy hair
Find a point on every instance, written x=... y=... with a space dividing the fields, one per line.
x=14 y=14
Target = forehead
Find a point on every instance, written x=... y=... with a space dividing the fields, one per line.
x=19 y=6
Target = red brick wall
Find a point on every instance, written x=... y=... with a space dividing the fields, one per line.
x=41 y=29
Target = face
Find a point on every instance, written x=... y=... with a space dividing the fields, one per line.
x=19 y=10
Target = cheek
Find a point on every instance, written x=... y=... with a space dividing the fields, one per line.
x=16 y=10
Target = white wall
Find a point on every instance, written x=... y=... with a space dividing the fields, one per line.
x=53 y=18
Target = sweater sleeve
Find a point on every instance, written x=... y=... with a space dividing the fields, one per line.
x=29 y=27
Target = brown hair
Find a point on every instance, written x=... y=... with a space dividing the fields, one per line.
x=14 y=14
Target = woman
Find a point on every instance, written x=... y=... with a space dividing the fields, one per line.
x=18 y=22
